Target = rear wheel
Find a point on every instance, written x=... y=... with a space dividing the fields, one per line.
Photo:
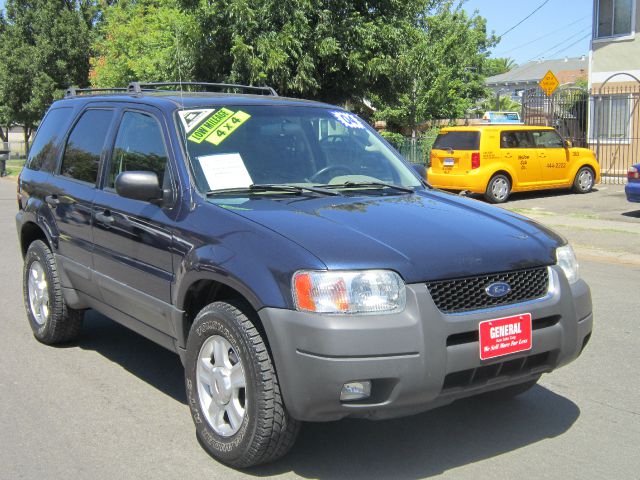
x=233 y=390
x=583 y=183
x=498 y=189
x=51 y=320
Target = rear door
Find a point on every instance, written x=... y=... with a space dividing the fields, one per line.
x=553 y=156
x=453 y=149
x=517 y=150
x=132 y=238
x=72 y=192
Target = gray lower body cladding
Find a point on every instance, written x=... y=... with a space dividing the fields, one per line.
x=420 y=358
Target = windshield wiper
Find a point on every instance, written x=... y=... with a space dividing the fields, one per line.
x=368 y=185
x=267 y=187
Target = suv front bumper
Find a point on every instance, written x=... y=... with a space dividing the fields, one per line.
x=420 y=358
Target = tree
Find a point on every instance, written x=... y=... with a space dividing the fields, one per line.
x=496 y=66
x=147 y=40
x=44 y=45
x=439 y=74
x=334 y=50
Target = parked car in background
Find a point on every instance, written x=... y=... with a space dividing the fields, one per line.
x=632 y=189
x=278 y=247
x=496 y=160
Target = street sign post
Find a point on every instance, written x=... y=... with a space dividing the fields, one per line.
x=549 y=83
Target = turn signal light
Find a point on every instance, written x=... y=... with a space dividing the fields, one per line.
x=633 y=173
x=475 y=160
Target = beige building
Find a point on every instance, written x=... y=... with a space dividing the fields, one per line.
x=614 y=80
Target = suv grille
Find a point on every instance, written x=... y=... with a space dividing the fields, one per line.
x=464 y=294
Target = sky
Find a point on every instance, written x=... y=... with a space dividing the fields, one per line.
x=560 y=28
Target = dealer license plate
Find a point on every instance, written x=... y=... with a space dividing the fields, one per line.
x=502 y=336
x=448 y=162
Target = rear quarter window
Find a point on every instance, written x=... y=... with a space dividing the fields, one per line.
x=46 y=146
x=457 y=141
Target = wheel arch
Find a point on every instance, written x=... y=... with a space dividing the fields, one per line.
x=29 y=233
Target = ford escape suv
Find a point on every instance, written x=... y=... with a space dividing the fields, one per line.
x=301 y=270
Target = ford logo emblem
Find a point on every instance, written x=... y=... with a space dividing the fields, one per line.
x=498 y=289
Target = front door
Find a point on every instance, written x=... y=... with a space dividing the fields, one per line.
x=132 y=238
x=553 y=156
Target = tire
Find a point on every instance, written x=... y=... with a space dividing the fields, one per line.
x=584 y=181
x=498 y=189
x=240 y=426
x=51 y=320
x=511 y=391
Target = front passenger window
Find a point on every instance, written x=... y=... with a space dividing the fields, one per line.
x=139 y=147
x=548 y=139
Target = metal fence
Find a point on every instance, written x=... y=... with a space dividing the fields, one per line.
x=418 y=149
x=566 y=110
x=614 y=129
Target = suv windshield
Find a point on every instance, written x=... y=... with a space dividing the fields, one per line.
x=234 y=147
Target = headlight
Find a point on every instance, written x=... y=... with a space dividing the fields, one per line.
x=567 y=261
x=366 y=291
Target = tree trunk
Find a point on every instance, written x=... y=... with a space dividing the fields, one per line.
x=4 y=137
x=27 y=134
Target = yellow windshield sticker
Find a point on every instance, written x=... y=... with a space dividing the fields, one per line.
x=210 y=125
x=228 y=127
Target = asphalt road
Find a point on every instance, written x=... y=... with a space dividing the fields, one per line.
x=113 y=406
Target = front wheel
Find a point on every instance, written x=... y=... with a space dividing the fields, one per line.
x=498 y=189
x=583 y=183
x=233 y=390
x=51 y=320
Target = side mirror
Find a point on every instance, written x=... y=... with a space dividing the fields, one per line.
x=420 y=169
x=139 y=186
x=568 y=144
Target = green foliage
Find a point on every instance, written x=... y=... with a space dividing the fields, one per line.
x=438 y=73
x=44 y=46
x=395 y=139
x=496 y=66
x=147 y=40
x=505 y=104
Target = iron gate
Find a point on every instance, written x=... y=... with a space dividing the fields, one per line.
x=615 y=129
x=566 y=110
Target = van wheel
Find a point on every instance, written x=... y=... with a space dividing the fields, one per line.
x=51 y=320
x=233 y=390
x=583 y=183
x=498 y=189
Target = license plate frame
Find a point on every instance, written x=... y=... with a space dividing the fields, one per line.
x=506 y=335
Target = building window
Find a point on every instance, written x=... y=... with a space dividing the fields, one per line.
x=614 y=18
x=610 y=118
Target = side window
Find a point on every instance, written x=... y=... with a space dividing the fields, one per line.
x=84 y=146
x=547 y=139
x=44 y=151
x=515 y=140
x=139 y=146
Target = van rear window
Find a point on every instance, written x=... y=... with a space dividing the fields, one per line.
x=457 y=141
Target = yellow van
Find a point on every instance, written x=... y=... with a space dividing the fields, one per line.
x=496 y=160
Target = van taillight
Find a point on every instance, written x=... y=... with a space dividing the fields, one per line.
x=633 y=173
x=475 y=160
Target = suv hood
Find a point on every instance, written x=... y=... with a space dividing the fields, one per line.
x=423 y=236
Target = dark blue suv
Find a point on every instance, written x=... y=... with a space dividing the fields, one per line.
x=298 y=266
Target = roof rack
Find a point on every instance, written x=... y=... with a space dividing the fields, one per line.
x=138 y=87
x=73 y=91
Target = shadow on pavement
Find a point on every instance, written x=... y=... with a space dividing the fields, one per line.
x=632 y=214
x=427 y=444
x=151 y=363
x=408 y=448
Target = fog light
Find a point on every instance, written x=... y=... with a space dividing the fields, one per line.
x=355 y=391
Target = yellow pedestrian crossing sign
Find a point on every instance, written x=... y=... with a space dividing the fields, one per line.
x=549 y=83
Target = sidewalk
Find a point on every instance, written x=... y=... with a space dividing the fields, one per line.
x=600 y=225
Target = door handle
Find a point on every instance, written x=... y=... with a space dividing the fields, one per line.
x=52 y=200
x=105 y=218
x=508 y=155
